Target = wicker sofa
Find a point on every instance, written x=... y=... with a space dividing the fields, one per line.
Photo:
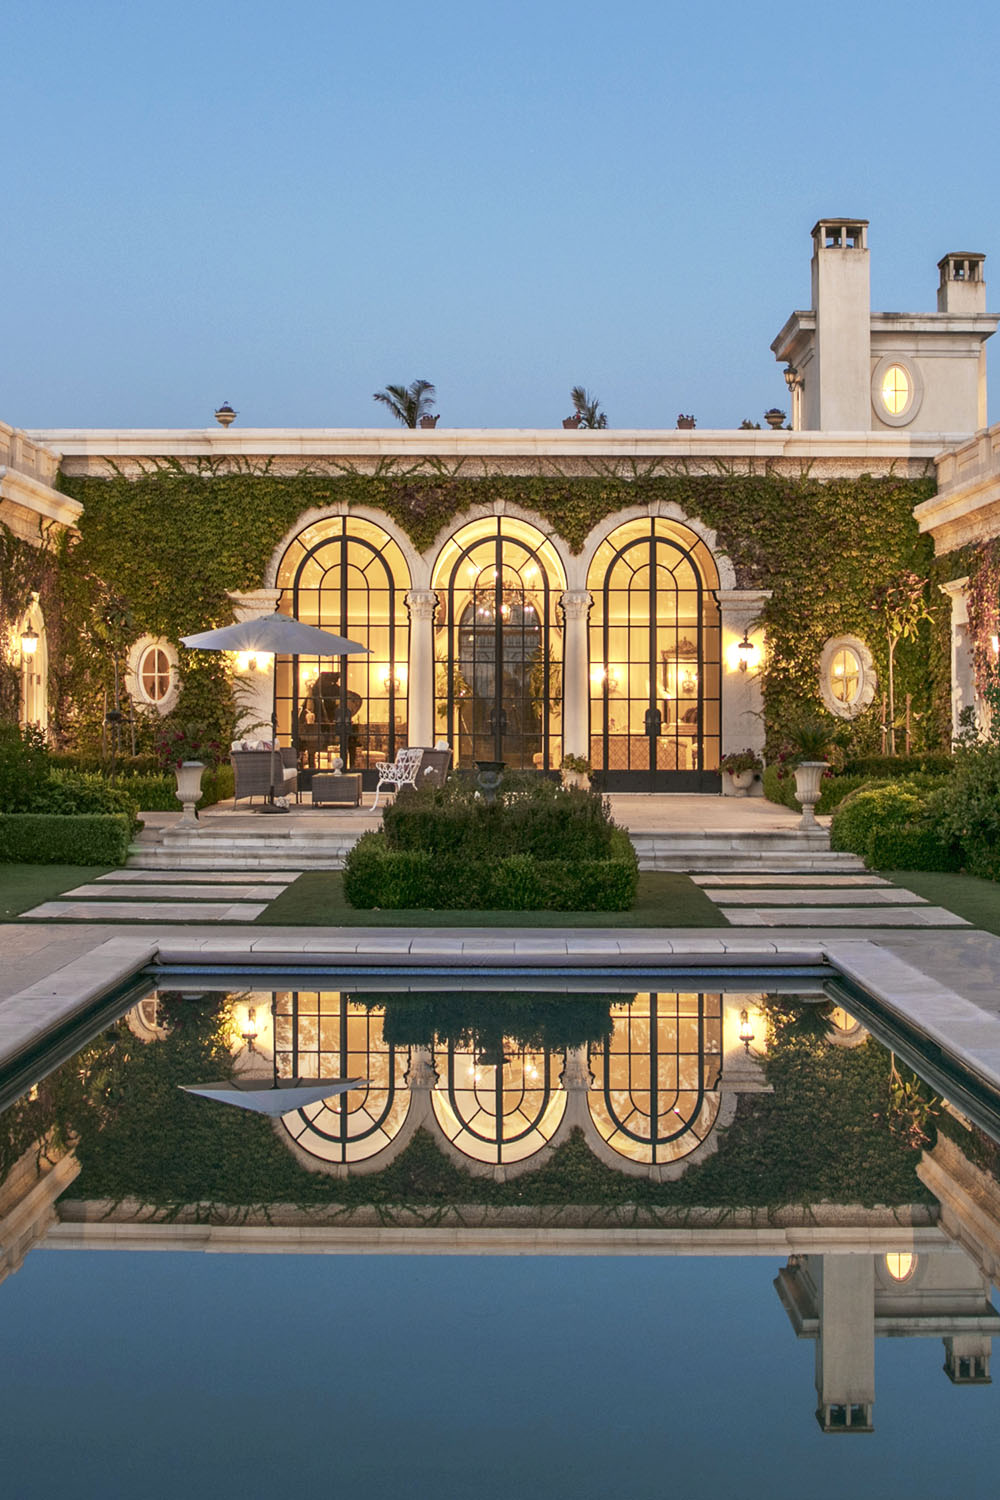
x=252 y=773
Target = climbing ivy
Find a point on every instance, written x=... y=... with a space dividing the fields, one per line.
x=174 y=540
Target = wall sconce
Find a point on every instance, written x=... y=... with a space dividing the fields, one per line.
x=250 y=1033
x=746 y=1031
x=392 y=680
x=253 y=661
x=746 y=649
x=687 y=685
x=791 y=375
x=29 y=641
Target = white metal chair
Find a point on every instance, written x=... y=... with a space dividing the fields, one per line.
x=400 y=772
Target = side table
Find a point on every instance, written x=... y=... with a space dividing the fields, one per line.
x=339 y=791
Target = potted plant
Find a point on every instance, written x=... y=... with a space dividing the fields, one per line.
x=187 y=748
x=742 y=767
x=810 y=742
x=575 y=771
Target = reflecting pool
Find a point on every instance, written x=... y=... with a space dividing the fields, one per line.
x=544 y=1243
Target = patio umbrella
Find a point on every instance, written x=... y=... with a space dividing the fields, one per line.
x=280 y=1099
x=276 y=635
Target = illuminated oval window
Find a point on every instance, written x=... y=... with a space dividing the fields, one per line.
x=846 y=676
x=900 y=1265
x=154 y=674
x=895 y=390
x=151 y=674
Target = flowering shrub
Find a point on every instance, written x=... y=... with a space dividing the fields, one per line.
x=178 y=741
x=741 y=760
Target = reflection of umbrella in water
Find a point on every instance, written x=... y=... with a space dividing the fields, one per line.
x=279 y=1099
x=274 y=635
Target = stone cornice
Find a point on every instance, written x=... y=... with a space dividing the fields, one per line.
x=512 y=450
x=26 y=503
x=967 y=505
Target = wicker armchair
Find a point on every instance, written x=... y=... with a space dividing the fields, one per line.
x=252 y=773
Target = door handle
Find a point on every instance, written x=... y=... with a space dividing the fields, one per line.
x=654 y=721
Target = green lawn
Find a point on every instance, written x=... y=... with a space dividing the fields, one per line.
x=316 y=899
x=978 y=901
x=24 y=886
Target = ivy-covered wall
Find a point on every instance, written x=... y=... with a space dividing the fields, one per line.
x=159 y=554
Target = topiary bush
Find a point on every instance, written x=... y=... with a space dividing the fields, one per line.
x=893 y=827
x=60 y=839
x=531 y=815
x=540 y=847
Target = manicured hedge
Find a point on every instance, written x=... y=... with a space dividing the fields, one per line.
x=531 y=815
x=893 y=827
x=64 y=839
x=376 y=875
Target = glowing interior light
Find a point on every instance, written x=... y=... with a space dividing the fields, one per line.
x=895 y=390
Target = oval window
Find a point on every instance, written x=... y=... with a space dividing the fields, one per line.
x=895 y=390
x=845 y=676
x=900 y=1265
x=154 y=674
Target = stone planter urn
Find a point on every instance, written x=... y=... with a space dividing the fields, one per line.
x=579 y=779
x=188 y=793
x=742 y=782
x=808 y=775
x=489 y=778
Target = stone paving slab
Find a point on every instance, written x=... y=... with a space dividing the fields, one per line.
x=180 y=877
x=831 y=916
x=165 y=892
x=793 y=896
x=145 y=911
x=833 y=880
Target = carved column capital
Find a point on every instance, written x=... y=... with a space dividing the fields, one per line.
x=254 y=603
x=422 y=1074
x=576 y=603
x=576 y=1074
x=421 y=603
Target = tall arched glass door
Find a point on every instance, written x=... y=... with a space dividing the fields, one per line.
x=655 y=660
x=348 y=576
x=498 y=645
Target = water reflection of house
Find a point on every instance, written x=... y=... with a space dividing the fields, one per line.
x=846 y=1302
x=648 y=1098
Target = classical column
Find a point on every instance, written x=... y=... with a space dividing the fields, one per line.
x=420 y=702
x=576 y=677
x=742 y=698
x=963 y=679
x=255 y=689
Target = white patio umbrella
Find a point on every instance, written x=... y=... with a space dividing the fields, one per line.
x=275 y=635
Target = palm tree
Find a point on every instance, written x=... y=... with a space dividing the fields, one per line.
x=587 y=409
x=408 y=403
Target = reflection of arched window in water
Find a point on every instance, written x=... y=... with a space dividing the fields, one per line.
x=498 y=1104
x=654 y=1096
x=326 y=1035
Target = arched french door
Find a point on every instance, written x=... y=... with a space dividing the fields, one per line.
x=655 y=660
x=498 y=646
x=348 y=576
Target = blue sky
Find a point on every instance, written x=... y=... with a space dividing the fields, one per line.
x=289 y=206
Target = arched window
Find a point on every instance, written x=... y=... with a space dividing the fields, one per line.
x=655 y=660
x=498 y=645
x=655 y=1078
x=348 y=576
x=327 y=1035
x=499 y=1105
